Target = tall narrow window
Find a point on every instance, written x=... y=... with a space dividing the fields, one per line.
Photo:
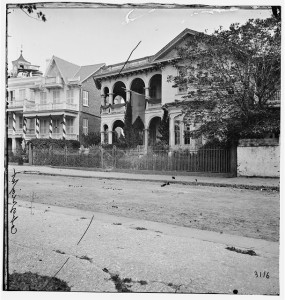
x=85 y=126
x=12 y=96
x=43 y=98
x=187 y=135
x=69 y=125
x=22 y=94
x=85 y=98
x=177 y=133
x=182 y=88
x=56 y=95
x=43 y=126
x=20 y=122
x=69 y=96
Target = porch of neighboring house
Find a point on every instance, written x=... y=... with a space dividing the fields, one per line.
x=53 y=126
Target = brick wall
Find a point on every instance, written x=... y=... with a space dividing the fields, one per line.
x=92 y=111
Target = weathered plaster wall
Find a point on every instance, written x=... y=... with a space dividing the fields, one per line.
x=258 y=158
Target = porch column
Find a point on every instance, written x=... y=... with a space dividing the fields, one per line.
x=171 y=131
x=24 y=130
x=146 y=139
x=110 y=137
x=63 y=128
x=14 y=123
x=14 y=145
x=128 y=96
x=37 y=127
x=102 y=137
x=102 y=100
x=181 y=127
x=146 y=97
x=111 y=98
x=50 y=127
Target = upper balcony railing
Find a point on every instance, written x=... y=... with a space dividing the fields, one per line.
x=13 y=103
x=52 y=82
x=49 y=106
x=129 y=65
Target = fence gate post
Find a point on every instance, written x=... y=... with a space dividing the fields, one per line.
x=233 y=160
x=30 y=154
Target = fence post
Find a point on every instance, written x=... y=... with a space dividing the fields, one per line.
x=102 y=157
x=233 y=160
x=114 y=153
x=30 y=154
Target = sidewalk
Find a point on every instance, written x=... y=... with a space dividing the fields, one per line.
x=236 y=182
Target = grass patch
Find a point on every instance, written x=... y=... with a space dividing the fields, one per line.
x=29 y=281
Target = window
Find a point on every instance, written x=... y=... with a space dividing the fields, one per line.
x=10 y=122
x=22 y=94
x=69 y=96
x=56 y=95
x=12 y=96
x=187 y=135
x=85 y=126
x=20 y=122
x=69 y=125
x=177 y=133
x=85 y=98
x=44 y=125
x=43 y=98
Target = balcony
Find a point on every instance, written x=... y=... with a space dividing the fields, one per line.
x=113 y=109
x=31 y=107
x=154 y=103
x=69 y=136
x=15 y=104
x=18 y=132
x=52 y=82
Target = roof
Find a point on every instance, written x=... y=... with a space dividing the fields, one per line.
x=86 y=71
x=21 y=59
x=66 y=68
x=69 y=70
x=174 y=42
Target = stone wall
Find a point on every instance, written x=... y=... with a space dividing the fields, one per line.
x=258 y=157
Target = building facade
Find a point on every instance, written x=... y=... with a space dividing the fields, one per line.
x=61 y=104
x=144 y=83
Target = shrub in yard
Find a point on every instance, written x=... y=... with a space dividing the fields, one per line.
x=54 y=143
x=29 y=281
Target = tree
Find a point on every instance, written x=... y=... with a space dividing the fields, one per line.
x=232 y=75
x=163 y=128
x=30 y=10
x=128 y=128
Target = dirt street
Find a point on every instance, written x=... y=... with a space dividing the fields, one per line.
x=225 y=210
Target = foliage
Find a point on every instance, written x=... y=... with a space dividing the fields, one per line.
x=92 y=138
x=29 y=281
x=163 y=128
x=54 y=143
x=233 y=74
x=30 y=10
x=133 y=131
x=161 y=145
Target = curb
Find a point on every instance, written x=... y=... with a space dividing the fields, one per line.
x=239 y=186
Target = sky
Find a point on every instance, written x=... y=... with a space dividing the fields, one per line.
x=89 y=36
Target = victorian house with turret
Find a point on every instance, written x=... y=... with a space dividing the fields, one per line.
x=61 y=104
x=144 y=82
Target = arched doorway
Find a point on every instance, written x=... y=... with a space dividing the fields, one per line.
x=153 y=130
x=119 y=90
x=155 y=89
x=118 y=131
x=138 y=99
x=106 y=95
x=105 y=131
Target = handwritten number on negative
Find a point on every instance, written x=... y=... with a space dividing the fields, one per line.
x=261 y=274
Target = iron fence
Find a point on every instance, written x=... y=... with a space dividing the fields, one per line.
x=214 y=160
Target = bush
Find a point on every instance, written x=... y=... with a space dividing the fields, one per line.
x=92 y=138
x=54 y=143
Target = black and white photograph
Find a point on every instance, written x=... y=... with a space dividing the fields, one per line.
x=141 y=146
